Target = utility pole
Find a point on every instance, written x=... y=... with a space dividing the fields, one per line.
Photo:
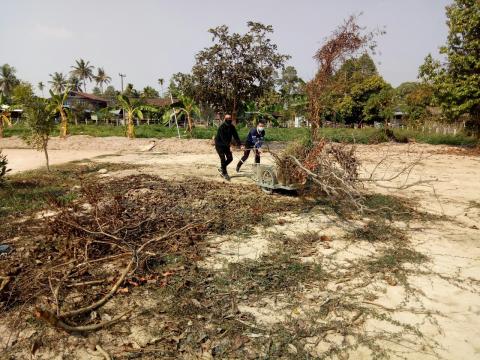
x=175 y=115
x=121 y=84
x=121 y=79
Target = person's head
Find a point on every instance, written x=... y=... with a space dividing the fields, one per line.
x=228 y=118
x=261 y=125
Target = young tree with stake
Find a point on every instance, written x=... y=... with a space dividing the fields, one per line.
x=40 y=124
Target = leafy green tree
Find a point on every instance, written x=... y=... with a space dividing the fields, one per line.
x=188 y=108
x=110 y=93
x=40 y=124
x=56 y=104
x=149 y=92
x=84 y=71
x=236 y=68
x=58 y=82
x=22 y=94
x=379 y=106
x=101 y=78
x=357 y=69
x=8 y=80
x=292 y=93
x=413 y=98
x=356 y=93
x=290 y=83
x=182 y=84
x=456 y=82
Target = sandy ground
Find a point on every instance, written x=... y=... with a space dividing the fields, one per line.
x=453 y=244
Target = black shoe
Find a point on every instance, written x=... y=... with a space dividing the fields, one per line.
x=223 y=175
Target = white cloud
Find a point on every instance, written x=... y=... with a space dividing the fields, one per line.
x=50 y=31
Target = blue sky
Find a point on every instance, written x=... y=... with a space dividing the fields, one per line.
x=151 y=39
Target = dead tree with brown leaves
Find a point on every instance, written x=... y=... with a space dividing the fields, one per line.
x=345 y=42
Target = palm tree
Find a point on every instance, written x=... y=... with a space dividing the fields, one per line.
x=58 y=82
x=74 y=83
x=189 y=109
x=5 y=119
x=41 y=87
x=56 y=104
x=130 y=91
x=102 y=78
x=161 y=81
x=132 y=110
x=8 y=80
x=149 y=92
x=84 y=71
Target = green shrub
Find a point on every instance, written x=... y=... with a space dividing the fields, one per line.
x=3 y=167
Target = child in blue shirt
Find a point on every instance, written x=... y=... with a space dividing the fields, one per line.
x=254 y=142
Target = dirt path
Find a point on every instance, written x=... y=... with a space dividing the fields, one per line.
x=21 y=157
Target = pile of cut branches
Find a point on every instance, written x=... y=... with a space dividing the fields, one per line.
x=332 y=172
x=323 y=169
x=117 y=235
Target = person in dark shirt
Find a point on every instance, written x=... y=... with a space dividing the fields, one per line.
x=226 y=132
x=254 y=142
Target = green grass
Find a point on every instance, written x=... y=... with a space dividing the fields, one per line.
x=348 y=135
x=30 y=191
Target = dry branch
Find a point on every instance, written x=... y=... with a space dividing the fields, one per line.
x=104 y=299
x=55 y=321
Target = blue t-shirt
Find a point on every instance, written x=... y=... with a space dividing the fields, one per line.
x=255 y=138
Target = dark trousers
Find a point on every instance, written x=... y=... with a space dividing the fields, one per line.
x=245 y=156
x=226 y=157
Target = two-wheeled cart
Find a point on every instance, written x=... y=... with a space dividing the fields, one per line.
x=269 y=179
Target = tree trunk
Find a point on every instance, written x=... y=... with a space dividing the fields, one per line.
x=63 y=127
x=130 y=128
x=190 y=125
x=234 y=112
x=45 y=150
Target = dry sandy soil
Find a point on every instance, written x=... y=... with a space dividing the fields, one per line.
x=452 y=243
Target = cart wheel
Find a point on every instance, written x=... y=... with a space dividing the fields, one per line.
x=266 y=190
x=268 y=178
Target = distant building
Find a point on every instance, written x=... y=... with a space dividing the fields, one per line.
x=92 y=102
x=398 y=118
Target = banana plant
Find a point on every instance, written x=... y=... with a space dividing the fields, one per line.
x=256 y=112
x=56 y=104
x=132 y=110
x=5 y=115
x=189 y=108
